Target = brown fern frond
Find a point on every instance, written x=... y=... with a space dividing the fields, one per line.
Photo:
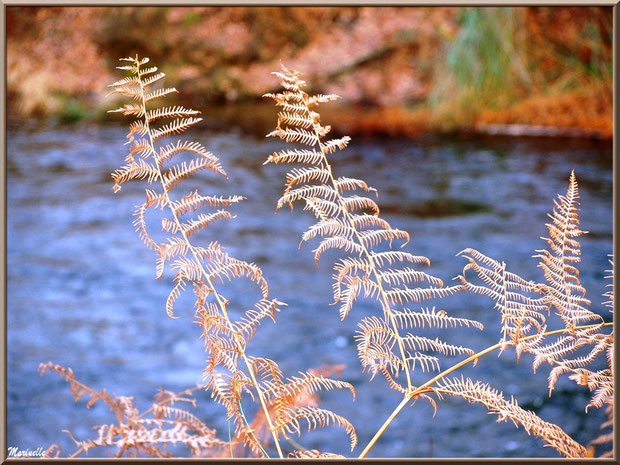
x=359 y=203
x=159 y=93
x=300 y=136
x=183 y=170
x=434 y=345
x=302 y=193
x=267 y=369
x=433 y=318
x=311 y=157
x=305 y=175
x=128 y=109
x=315 y=418
x=520 y=311
x=328 y=227
x=308 y=383
x=52 y=452
x=313 y=454
x=564 y=291
x=138 y=433
x=573 y=350
x=248 y=324
x=203 y=221
x=350 y=223
x=332 y=145
x=405 y=295
x=136 y=170
x=79 y=390
x=152 y=79
x=337 y=242
x=127 y=91
x=192 y=202
x=169 y=151
x=482 y=393
x=170 y=112
x=607 y=437
x=176 y=127
x=230 y=373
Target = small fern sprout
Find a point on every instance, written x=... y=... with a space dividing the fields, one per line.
x=348 y=219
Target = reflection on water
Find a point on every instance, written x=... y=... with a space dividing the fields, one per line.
x=81 y=290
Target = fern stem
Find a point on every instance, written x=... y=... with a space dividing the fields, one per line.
x=387 y=308
x=426 y=386
x=220 y=301
x=245 y=419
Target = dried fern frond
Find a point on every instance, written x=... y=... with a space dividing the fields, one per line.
x=482 y=393
x=230 y=372
x=348 y=220
x=521 y=312
x=314 y=454
x=579 y=345
x=148 y=433
x=294 y=401
x=564 y=290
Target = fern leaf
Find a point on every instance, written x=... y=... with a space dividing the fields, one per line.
x=343 y=184
x=159 y=93
x=183 y=170
x=176 y=127
x=406 y=276
x=310 y=157
x=432 y=318
x=204 y=221
x=565 y=292
x=355 y=202
x=337 y=242
x=170 y=112
x=477 y=392
x=304 y=192
x=330 y=227
x=192 y=202
x=249 y=323
x=314 y=454
x=305 y=175
x=390 y=257
x=136 y=170
x=320 y=98
x=129 y=110
x=402 y=296
x=512 y=295
x=140 y=224
x=301 y=136
x=152 y=79
x=314 y=418
x=336 y=144
x=169 y=151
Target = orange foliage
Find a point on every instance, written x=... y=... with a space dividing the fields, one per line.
x=383 y=57
x=588 y=110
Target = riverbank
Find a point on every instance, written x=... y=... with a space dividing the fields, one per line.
x=408 y=70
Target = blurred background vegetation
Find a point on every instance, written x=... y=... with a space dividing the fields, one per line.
x=404 y=70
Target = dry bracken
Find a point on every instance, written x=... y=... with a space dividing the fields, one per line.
x=231 y=373
x=390 y=344
x=348 y=220
x=583 y=339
